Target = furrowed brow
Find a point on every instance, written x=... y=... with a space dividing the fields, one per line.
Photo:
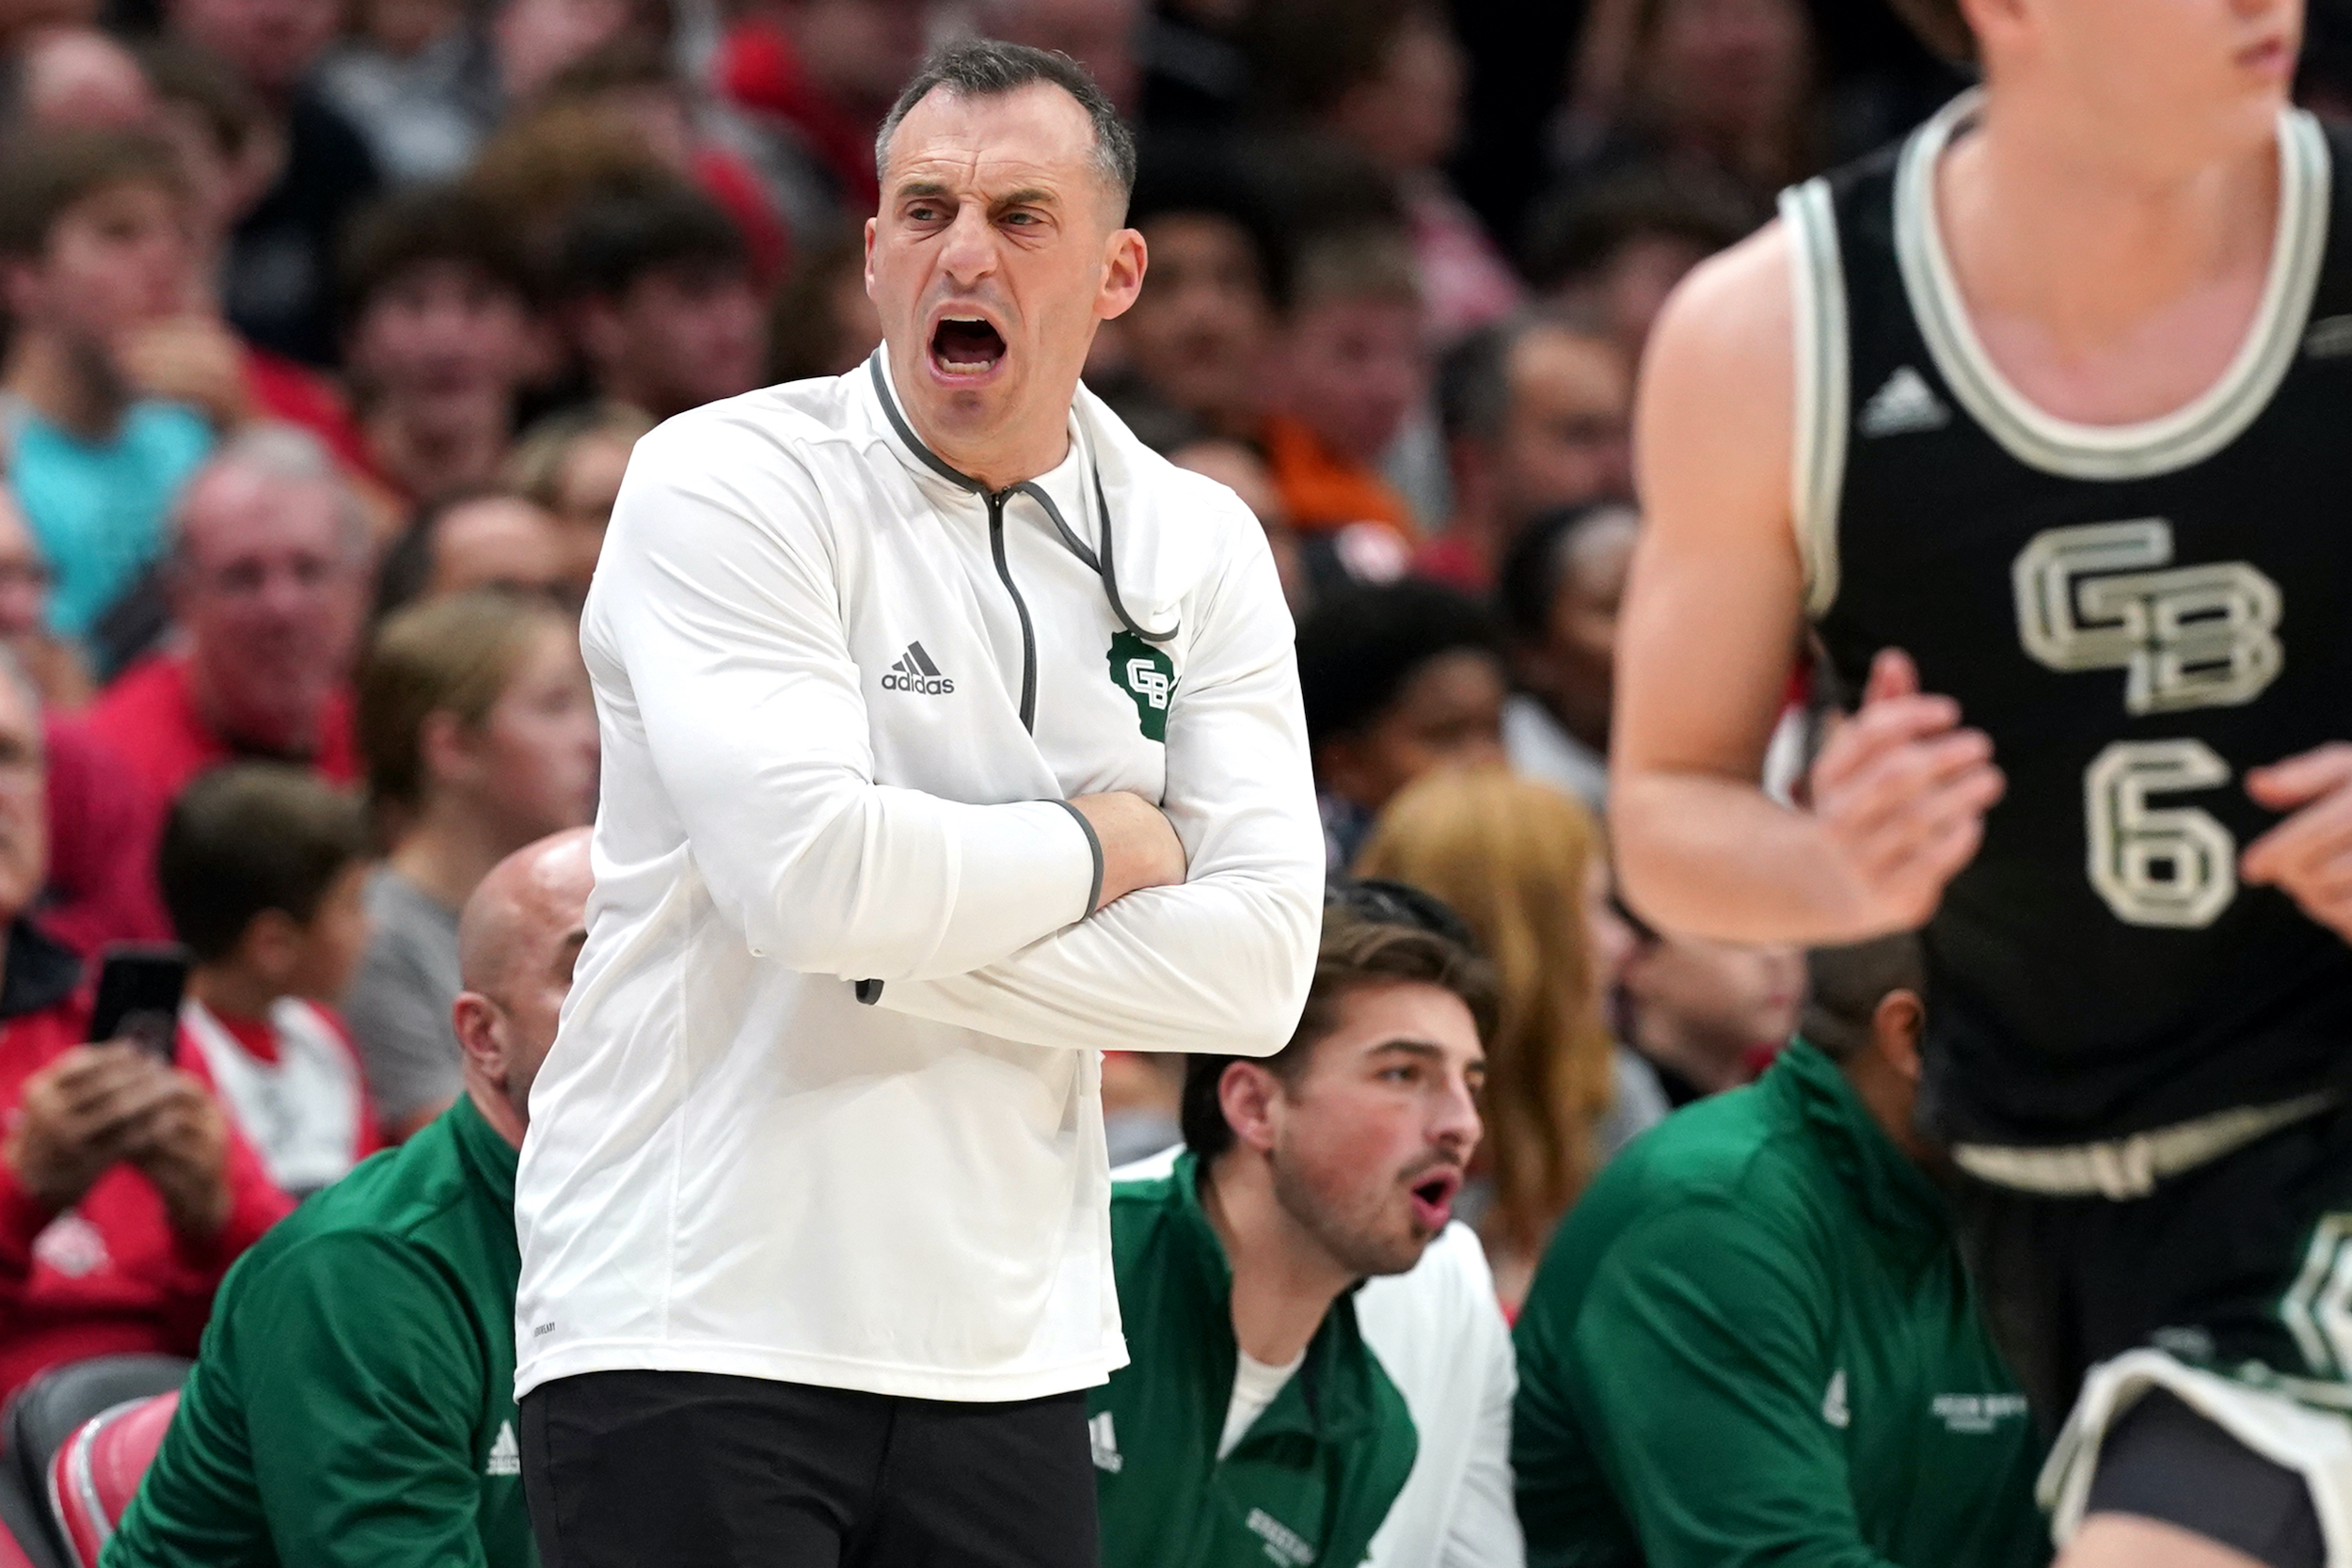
x=1029 y=196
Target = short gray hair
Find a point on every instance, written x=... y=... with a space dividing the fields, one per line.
x=991 y=68
x=285 y=452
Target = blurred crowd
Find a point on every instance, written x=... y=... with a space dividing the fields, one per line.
x=326 y=328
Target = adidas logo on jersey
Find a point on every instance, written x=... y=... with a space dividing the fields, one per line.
x=506 y=1455
x=2329 y=337
x=914 y=671
x=1903 y=406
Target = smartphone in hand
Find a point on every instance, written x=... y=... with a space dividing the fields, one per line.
x=139 y=986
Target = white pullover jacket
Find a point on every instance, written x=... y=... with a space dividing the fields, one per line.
x=843 y=696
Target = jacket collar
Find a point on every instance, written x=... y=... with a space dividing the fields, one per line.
x=1330 y=1397
x=490 y=1157
x=1905 y=1208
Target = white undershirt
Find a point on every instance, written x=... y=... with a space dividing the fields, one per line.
x=1255 y=1383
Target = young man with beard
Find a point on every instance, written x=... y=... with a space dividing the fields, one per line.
x=1253 y=1420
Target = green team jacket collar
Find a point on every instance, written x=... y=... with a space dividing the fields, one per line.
x=1333 y=1398
x=1908 y=1216
x=487 y=1155
x=1306 y=1485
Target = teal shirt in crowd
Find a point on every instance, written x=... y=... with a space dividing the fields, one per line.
x=1311 y=1481
x=99 y=508
x=354 y=1403
x=1753 y=1342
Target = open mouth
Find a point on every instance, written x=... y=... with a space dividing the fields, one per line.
x=1433 y=1198
x=966 y=345
x=2270 y=57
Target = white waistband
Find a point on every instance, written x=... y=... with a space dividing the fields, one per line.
x=2130 y=1167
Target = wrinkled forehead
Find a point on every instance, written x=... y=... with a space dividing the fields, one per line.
x=1036 y=138
x=245 y=512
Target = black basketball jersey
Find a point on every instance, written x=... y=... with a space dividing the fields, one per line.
x=2136 y=615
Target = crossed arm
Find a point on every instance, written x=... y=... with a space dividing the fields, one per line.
x=730 y=633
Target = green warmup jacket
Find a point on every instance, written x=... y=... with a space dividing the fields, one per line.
x=1314 y=1475
x=354 y=1402
x=1753 y=1342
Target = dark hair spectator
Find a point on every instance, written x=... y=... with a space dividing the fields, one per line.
x=487 y=538
x=480 y=737
x=1608 y=251
x=1200 y=335
x=1398 y=680
x=635 y=81
x=1559 y=593
x=262 y=868
x=544 y=166
x=1733 y=88
x=279 y=279
x=125 y=1191
x=659 y=290
x=570 y=466
x=436 y=304
x=824 y=73
x=821 y=321
x=1100 y=35
x=93 y=244
x=1351 y=364
x=1706 y=1015
x=1535 y=414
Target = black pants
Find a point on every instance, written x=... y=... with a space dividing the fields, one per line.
x=2205 y=1266
x=697 y=1471
x=2217 y=1265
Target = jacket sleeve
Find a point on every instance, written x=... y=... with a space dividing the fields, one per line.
x=1700 y=1368
x=1220 y=963
x=360 y=1416
x=716 y=596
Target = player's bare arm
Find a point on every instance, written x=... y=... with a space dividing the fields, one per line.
x=1713 y=618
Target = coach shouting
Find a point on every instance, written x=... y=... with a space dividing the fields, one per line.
x=950 y=737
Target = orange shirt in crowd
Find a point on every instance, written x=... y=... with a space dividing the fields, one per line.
x=1324 y=490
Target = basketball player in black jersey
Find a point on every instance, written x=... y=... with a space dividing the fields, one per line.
x=2043 y=424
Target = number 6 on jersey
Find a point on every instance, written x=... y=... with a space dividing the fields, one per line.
x=2158 y=865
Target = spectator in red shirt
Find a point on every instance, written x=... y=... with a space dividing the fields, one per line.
x=124 y=1192
x=263 y=869
x=268 y=586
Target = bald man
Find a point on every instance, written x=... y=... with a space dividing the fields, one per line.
x=354 y=1403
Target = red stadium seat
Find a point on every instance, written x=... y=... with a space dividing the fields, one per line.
x=96 y=1472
